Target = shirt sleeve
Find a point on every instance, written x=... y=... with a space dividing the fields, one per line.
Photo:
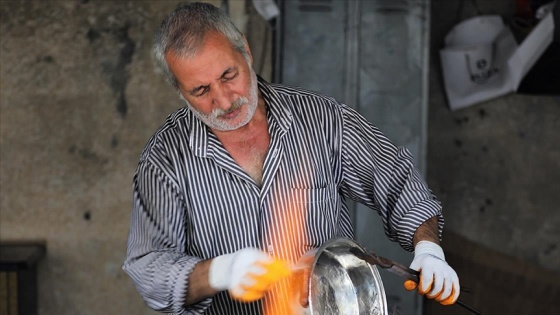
x=383 y=177
x=156 y=260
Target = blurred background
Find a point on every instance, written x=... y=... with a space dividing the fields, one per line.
x=80 y=96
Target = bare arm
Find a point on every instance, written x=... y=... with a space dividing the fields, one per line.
x=427 y=231
x=199 y=287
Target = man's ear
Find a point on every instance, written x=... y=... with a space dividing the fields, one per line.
x=248 y=50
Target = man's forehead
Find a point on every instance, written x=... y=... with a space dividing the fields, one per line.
x=209 y=64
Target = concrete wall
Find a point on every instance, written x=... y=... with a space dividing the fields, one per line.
x=495 y=165
x=80 y=96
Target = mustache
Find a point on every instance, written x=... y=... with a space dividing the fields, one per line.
x=236 y=104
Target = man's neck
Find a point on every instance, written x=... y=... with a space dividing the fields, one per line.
x=249 y=144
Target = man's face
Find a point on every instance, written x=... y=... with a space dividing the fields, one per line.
x=218 y=84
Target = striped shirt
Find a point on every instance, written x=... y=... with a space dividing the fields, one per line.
x=193 y=202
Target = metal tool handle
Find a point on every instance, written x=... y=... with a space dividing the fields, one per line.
x=405 y=272
x=469 y=308
x=415 y=276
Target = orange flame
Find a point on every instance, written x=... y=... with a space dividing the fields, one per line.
x=287 y=296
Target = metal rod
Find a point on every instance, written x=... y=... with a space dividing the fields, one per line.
x=473 y=310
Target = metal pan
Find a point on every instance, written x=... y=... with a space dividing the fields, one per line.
x=341 y=283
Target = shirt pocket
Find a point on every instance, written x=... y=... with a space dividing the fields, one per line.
x=319 y=209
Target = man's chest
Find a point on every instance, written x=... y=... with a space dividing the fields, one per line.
x=228 y=211
x=250 y=156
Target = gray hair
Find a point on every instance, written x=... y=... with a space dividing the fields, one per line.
x=182 y=32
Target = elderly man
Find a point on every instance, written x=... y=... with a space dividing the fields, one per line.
x=249 y=176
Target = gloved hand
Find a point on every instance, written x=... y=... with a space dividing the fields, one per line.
x=246 y=274
x=437 y=279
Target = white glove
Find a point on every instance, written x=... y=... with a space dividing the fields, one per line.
x=246 y=274
x=437 y=279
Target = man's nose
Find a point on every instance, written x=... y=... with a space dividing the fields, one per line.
x=221 y=97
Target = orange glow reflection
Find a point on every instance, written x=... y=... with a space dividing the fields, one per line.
x=289 y=235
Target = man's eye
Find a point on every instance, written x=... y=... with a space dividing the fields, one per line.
x=201 y=91
x=229 y=76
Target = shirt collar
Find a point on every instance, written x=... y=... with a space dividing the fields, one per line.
x=198 y=135
x=279 y=115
